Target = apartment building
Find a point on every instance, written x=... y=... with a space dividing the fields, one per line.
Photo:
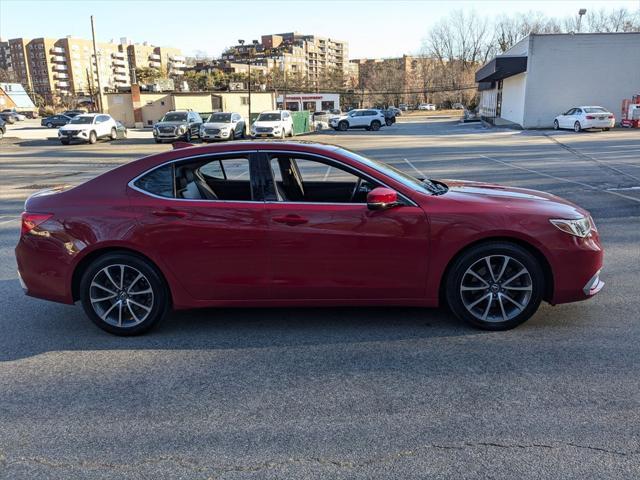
x=310 y=56
x=66 y=67
x=169 y=61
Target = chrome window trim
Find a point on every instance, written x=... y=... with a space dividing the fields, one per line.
x=365 y=175
x=132 y=185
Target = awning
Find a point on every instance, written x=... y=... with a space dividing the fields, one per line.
x=501 y=67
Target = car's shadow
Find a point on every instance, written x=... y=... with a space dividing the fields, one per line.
x=32 y=327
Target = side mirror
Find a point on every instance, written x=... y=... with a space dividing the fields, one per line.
x=382 y=198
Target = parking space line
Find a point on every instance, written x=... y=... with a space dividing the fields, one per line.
x=590 y=187
x=3 y=222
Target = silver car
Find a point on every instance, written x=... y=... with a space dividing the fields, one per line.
x=223 y=126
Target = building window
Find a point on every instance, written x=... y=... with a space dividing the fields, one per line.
x=244 y=100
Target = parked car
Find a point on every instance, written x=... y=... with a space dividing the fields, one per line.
x=403 y=106
x=396 y=111
x=88 y=127
x=368 y=119
x=270 y=224
x=55 y=121
x=426 y=106
x=74 y=113
x=581 y=118
x=177 y=125
x=389 y=116
x=19 y=116
x=457 y=106
x=121 y=130
x=223 y=126
x=277 y=123
x=3 y=128
x=9 y=117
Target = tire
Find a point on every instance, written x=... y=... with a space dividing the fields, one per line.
x=388 y=122
x=158 y=140
x=125 y=134
x=187 y=136
x=232 y=135
x=64 y=142
x=130 y=309
x=606 y=129
x=93 y=138
x=114 y=134
x=343 y=126
x=291 y=133
x=577 y=127
x=49 y=125
x=375 y=125
x=282 y=135
x=556 y=125
x=490 y=308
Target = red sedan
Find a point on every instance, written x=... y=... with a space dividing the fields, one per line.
x=298 y=224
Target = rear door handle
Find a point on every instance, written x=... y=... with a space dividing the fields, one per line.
x=290 y=220
x=169 y=213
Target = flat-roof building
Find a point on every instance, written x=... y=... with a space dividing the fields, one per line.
x=544 y=75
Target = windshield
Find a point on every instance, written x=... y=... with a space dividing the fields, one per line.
x=82 y=120
x=424 y=186
x=219 y=118
x=595 y=110
x=268 y=117
x=174 y=117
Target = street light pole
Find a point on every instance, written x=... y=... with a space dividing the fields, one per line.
x=581 y=12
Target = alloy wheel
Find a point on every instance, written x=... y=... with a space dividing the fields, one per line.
x=121 y=295
x=496 y=288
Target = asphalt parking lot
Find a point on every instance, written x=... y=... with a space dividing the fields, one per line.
x=336 y=393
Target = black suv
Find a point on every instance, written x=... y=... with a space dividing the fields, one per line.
x=3 y=128
x=177 y=125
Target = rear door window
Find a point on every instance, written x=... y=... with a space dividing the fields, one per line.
x=158 y=182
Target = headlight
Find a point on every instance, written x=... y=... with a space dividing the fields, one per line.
x=579 y=228
x=182 y=129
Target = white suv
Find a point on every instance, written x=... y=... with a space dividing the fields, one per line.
x=368 y=119
x=88 y=128
x=277 y=123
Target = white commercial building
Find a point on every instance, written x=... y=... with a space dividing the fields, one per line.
x=544 y=75
x=314 y=102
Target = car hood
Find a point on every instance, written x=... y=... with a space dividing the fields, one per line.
x=276 y=123
x=77 y=126
x=503 y=197
x=217 y=124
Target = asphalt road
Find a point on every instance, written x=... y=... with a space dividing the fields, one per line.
x=337 y=393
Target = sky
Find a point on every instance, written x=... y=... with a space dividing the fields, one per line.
x=373 y=28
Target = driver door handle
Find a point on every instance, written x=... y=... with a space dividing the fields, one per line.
x=169 y=213
x=290 y=220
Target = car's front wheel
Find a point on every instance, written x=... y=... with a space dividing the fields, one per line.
x=49 y=125
x=114 y=134
x=556 y=125
x=495 y=285
x=343 y=126
x=123 y=294
x=93 y=138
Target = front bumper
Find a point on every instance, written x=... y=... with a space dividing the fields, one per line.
x=266 y=134
x=81 y=135
x=215 y=136
x=594 y=285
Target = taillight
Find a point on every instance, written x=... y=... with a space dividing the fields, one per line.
x=32 y=220
x=590 y=117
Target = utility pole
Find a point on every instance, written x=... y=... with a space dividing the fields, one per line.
x=95 y=55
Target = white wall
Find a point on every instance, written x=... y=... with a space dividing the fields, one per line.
x=513 y=92
x=581 y=69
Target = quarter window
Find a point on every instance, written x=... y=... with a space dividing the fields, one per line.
x=158 y=181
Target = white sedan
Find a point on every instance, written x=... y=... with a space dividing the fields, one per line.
x=426 y=106
x=581 y=118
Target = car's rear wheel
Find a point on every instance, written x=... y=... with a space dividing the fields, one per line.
x=93 y=138
x=556 y=125
x=577 y=127
x=495 y=286
x=123 y=294
x=375 y=125
x=114 y=134
x=343 y=126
